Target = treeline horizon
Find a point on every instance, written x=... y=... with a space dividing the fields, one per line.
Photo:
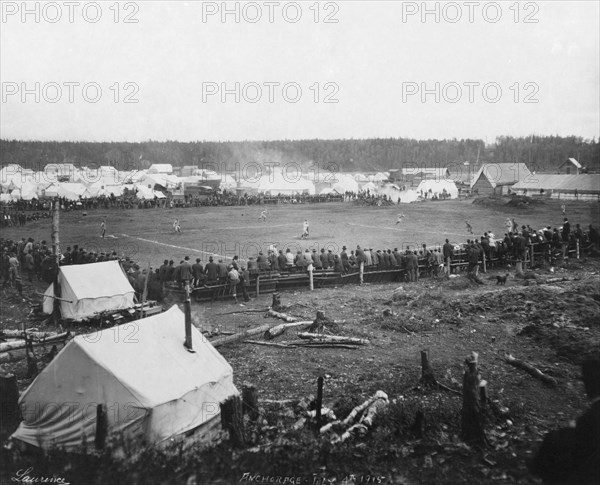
x=540 y=153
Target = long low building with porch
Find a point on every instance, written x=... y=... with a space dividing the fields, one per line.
x=560 y=186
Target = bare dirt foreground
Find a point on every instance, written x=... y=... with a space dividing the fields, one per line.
x=553 y=326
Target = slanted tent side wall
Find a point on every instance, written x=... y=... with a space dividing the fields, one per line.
x=154 y=391
x=88 y=289
x=59 y=408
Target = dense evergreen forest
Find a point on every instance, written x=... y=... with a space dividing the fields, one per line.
x=541 y=153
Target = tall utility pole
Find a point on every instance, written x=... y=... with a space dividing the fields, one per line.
x=56 y=253
x=55 y=232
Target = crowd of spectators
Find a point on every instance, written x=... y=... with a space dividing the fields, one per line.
x=36 y=260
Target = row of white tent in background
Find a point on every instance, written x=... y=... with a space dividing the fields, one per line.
x=17 y=185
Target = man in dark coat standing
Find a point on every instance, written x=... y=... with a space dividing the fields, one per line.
x=323 y=258
x=448 y=251
x=211 y=271
x=197 y=271
x=344 y=259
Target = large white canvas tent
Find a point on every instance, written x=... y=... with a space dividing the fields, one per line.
x=152 y=387
x=87 y=289
x=437 y=187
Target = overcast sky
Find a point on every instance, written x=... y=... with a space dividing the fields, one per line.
x=303 y=70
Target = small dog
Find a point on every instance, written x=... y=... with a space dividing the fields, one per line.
x=501 y=280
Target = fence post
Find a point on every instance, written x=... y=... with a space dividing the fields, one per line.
x=257 y=285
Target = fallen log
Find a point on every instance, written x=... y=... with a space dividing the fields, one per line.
x=333 y=338
x=354 y=413
x=240 y=336
x=521 y=364
x=21 y=344
x=17 y=344
x=27 y=334
x=366 y=422
x=249 y=310
x=269 y=344
x=376 y=403
x=280 y=329
x=53 y=297
x=282 y=316
x=329 y=346
x=8 y=357
x=279 y=402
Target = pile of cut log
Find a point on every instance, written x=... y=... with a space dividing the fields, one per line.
x=316 y=333
x=18 y=343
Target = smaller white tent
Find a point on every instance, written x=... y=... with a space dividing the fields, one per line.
x=152 y=387
x=346 y=183
x=278 y=184
x=87 y=289
x=408 y=196
x=432 y=187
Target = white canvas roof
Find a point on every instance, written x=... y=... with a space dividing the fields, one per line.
x=154 y=389
x=438 y=186
x=90 y=289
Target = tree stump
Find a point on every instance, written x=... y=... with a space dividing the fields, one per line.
x=483 y=395
x=472 y=422
x=32 y=367
x=427 y=376
x=319 y=402
x=276 y=305
x=10 y=414
x=232 y=419
x=250 y=400
x=319 y=323
x=418 y=427
x=101 y=427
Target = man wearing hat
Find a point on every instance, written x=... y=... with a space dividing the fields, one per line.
x=299 y=261
x=307 y=258
x=281 y=261
x=323 y=259
x=316 y=260
x=252 y=266
x=186 y=274
x=330 y=259
x=344 y=259
x=211 y=271
x=261 y=260
x=221 y=271
x=374 y=257
x=162 y=271
x=197 y=272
